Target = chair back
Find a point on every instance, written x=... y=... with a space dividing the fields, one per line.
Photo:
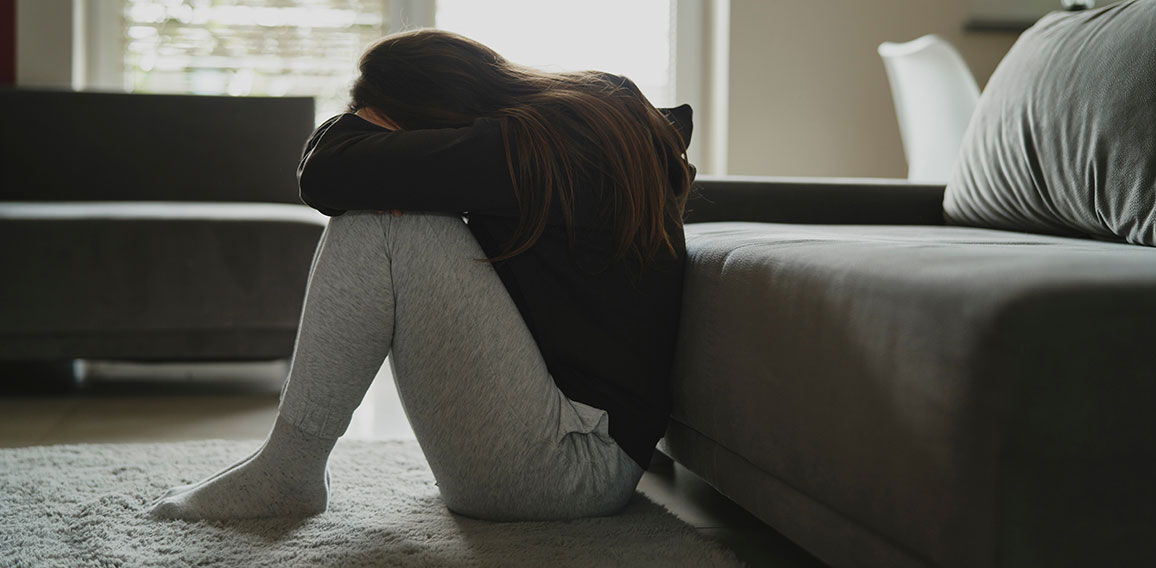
x=935 y=95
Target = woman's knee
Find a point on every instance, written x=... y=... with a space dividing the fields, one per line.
x=350 y=220
x=407 y=221
x=435 y=222
x=423 y=228
x=356 y=226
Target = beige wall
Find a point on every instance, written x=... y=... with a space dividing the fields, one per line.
x=44 y=46
x=808 y=93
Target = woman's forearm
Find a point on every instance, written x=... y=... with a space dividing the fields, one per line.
x=350 y=163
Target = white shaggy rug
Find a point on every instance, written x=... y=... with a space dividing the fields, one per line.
x=82 y=505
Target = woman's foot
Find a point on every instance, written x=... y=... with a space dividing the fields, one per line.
x=183 y=488
x=285 y=478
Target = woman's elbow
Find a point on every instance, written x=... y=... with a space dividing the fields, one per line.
x=318 y=187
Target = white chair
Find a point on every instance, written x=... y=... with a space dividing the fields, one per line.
x=935 y=95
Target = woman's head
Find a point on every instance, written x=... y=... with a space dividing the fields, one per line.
x=434 y=79
x=556 y=126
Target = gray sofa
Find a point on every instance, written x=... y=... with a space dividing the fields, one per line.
x=151 y=227
x=886 y=390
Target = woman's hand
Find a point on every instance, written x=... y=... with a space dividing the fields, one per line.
x=376 y=117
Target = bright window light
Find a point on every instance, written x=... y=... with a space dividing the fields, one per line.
x=311 y=47
x=249 y=47
x=632 y=38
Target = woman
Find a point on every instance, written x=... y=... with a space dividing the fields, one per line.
x=532 y=347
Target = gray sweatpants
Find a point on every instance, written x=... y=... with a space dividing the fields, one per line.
x=503 y=442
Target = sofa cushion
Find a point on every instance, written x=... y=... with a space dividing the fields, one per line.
x=973 y=396
x=1063 y=138
x=139 y=280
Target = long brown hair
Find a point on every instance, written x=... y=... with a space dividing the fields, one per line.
x=556 y=126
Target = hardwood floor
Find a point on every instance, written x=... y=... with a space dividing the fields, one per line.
x=161 y=403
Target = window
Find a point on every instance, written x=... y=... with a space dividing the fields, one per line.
x=632 y=38
x=310 y=47
x=657 y=43
x=249 y=47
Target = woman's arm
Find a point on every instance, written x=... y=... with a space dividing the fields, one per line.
x=350 y=163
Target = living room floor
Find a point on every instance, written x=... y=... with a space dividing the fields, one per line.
x=123 y=402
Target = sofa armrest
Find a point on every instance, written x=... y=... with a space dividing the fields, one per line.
x=814 y=200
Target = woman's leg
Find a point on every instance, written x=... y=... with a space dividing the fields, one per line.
x=501 y=439
x=344 y=335
x=503 y=442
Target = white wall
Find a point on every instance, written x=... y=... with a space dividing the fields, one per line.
x=808 y=95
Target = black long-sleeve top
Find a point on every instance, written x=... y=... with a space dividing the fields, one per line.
x=605 y=328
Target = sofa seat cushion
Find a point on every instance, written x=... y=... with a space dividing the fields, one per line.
x=153 y=280
x=971 y=395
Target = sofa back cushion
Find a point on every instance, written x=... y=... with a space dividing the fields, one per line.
x=85 y=146
x=1063 y=139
